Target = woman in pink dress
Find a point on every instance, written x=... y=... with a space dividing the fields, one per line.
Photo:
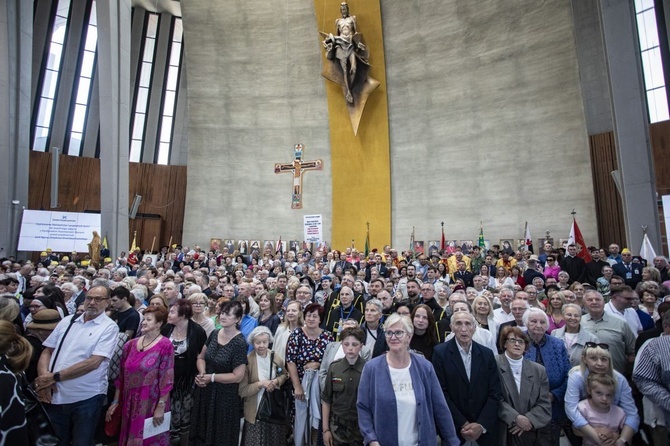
x=144 y=384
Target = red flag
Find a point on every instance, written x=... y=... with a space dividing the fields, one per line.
x=577 y=238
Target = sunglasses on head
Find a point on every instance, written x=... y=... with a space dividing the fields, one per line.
x=594 y=345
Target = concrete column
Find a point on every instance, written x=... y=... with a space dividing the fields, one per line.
x=16 y=35
x=631 y=123
x=114 y=80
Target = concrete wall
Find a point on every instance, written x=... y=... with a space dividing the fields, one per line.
x=486 y=119
x=254 y=90
x=485 y=110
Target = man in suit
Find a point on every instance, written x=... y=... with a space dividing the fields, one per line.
x=463 y=274
x=468 y=374
x=631 y=272
x=375 y=262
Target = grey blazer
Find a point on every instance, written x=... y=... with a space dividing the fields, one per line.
x=575 y=351
x=532 y=402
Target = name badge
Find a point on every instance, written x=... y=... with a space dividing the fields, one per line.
x=629 y=275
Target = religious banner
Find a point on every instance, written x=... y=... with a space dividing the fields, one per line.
x=313 y=228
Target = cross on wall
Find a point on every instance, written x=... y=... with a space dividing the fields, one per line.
x=298 y=167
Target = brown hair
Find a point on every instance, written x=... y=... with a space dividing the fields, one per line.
x=159 y=313
x=17 y=349
x=506 y=331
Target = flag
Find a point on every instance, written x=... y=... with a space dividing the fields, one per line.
x=133 y=247
x=411 y=242
x=647 y=251
x=443 y=243
x=367 y=242
x=280 y=247
x=529 y=239
x=481 y=242
x=104 y=242
x=577 y=238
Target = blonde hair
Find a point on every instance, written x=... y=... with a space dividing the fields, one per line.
x=9 y=309
x=16 y=348
x=301 y=316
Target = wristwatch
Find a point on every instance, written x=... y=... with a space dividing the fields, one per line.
x=57 y=377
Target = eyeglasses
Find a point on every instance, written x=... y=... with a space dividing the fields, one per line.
x=594 y=345
x=97 y=299
x=399 y=334
x=516 y=341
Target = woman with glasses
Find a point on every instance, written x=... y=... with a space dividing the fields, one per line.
x=199 y=304
x=596 y=358
x=400 y=400
x=304 y=354
x=525 y=409
x=187 y=338
x=551 y=268
x=550 y=352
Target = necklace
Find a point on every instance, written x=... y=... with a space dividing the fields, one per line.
x=146 y=345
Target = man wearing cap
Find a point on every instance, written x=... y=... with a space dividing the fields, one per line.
x=44 y=259
x=532 y=272
x=631 y=272
x=38 y=330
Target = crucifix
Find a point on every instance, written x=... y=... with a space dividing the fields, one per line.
x=298 y=167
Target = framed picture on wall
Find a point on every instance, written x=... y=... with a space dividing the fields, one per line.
x=229 y=244
x=215 y=244
x=242 y=247
x=542 y=241
x=418 y=246
x=254 y=246
x=294 y=245
x=269 y=245
x=466 y=246
x=451 y=246
x=507 y=245
x=521 y=244
x=433 y=247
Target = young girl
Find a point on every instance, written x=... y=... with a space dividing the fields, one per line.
x=606 y=419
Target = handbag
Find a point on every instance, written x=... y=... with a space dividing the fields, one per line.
x=40 y=429
x=113 y=426
x=274 y=407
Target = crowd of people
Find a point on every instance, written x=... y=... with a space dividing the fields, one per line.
x=488 y=347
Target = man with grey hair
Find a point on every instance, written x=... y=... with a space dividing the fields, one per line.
x=661 y=264
x=80 y=295
x=469 y=378
x=610 y=330
x=519 y=307
x=504 y=313
x=244 y=292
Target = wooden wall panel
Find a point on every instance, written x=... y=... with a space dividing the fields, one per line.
x=659 y=133
x=163 y=191
x=609 y=208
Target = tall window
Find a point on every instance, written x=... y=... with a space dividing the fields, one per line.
x=652 y=65
x=143 y=88
x=170 y=95
x=51 y=74
x=84 y=84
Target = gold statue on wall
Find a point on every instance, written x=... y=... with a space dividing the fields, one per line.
x=348 y=64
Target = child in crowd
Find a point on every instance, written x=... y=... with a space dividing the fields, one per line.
x=338 y=397
x=607 y=420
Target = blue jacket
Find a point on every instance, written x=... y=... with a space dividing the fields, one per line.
x=377 y=412
x=557 y=363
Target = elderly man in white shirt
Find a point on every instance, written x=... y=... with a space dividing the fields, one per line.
x=620 y=306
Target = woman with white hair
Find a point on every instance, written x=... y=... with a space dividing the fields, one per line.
x=391 y=389
x=69 y=289
x=550 y=352
x=572 y=335
x=265 y=372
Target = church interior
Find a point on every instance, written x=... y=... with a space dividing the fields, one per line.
x=484 y=116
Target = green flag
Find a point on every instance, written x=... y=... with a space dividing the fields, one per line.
x=481 y=237
x=367 y=242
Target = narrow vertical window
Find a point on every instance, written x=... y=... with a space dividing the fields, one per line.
x=45 y=105
x=82 y=92
x=170 y=94
x=652 y=64
x=143 y=88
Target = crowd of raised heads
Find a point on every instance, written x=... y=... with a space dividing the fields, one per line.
x=487 y=346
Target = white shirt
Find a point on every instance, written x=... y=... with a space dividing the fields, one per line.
x=85 y=339
x=466 y=357
x=408 y=433
x=482 y=337
x=500 y=317
x=629 y=315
